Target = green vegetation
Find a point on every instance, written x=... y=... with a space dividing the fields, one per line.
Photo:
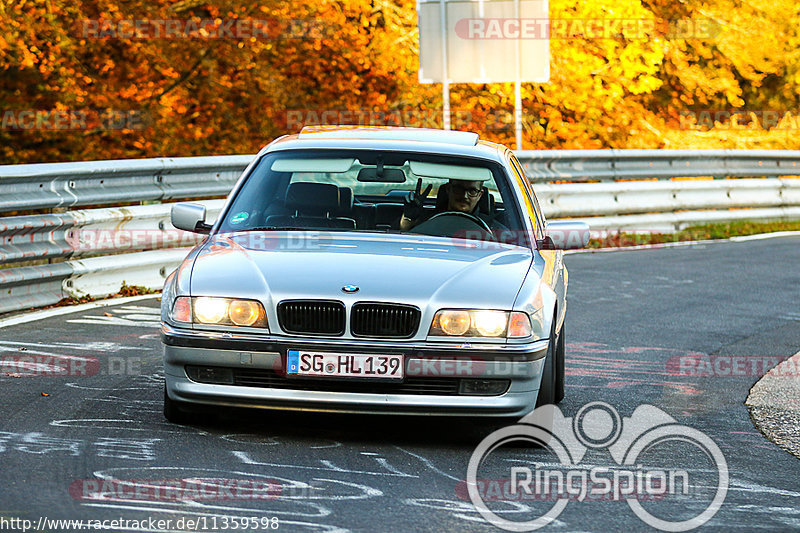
x=696 y=233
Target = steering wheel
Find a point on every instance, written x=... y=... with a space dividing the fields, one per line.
x=469 y=216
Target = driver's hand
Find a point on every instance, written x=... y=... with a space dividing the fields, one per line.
x=413 y=207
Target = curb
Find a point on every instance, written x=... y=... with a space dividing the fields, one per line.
x=774 y=404
x=56 y=311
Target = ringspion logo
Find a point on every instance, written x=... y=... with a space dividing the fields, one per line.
x=655 y=460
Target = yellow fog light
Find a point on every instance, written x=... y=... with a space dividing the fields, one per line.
x=244 y=312
x=490 y=323
x=454 y=322
x=210 y=310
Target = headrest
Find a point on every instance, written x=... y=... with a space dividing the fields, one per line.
x=486 y=203
x=321 y=196
x=345 y=199
x=441 y=198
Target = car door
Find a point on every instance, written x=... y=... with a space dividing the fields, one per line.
x=555 y=273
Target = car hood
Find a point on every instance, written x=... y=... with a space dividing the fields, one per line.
x=429 y=272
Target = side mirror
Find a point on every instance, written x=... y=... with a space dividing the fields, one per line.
x=190 y=217
x=564 y=235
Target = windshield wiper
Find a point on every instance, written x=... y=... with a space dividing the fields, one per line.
x=277 y=228
x=295 y=228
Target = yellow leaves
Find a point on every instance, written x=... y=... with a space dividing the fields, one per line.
x=129 y=92
x=28 y=58
x=107 y=66
x=361 y=54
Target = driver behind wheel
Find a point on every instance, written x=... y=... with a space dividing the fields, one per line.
x=461 y=195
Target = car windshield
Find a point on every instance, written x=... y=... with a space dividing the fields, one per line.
x=368 y=191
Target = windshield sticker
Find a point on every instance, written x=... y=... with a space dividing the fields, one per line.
x=239 y=217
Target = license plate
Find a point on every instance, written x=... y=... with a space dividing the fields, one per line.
x=323 y=364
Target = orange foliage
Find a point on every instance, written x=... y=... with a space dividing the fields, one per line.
x=90 y=95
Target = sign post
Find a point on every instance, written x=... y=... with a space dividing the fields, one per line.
x=518 y=85
x=445 y=74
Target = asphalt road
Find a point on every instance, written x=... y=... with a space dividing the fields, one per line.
x=638 y=322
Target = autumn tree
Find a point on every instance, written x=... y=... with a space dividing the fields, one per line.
x=195 y=93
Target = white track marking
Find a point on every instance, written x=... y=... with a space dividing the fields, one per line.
x=125 y=425
x=327 y=466
x=744 y=486
x=428 y=464
x=247 y=438
x=115 y=321
x=150 y=311
x=296 y=506
x=86 y=346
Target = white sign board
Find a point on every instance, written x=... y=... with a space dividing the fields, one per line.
x=483 y=41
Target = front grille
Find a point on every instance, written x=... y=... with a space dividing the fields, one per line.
x=312 y=317
x=410 y=385
x=384 y=320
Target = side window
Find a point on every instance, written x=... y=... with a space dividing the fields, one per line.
x=523 y=183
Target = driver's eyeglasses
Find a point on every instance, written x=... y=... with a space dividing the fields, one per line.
x=458 y=190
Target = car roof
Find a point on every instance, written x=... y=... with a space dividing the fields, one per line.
x=428 y=140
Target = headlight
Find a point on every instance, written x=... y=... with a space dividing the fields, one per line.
x=244 y=312
x=480 y=323
x=210 y=310
x=219 y=311
x=453 y=322
x=490 y=323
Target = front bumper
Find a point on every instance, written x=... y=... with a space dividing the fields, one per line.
x=520 y=365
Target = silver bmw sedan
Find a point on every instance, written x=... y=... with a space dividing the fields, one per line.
x=379 y=270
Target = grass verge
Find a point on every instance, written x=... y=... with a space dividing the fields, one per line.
x=694 y=233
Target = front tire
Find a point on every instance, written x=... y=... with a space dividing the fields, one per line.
x=547 y=387
x=560 y=360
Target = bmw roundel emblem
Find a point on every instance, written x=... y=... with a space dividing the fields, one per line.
x=350 y=289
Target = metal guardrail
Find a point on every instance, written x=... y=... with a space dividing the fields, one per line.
x=585 y=165
x=50 y=185
x=69 y=239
